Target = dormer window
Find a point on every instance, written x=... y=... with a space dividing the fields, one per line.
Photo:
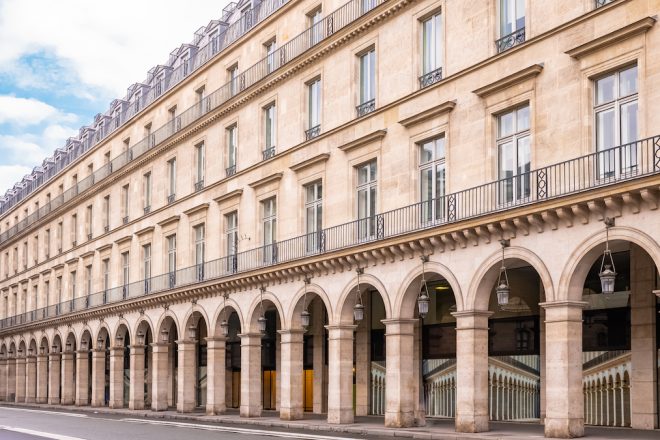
x=99 y=133
x=116 y=116
x=185 y=64
x=136 y=100
x=159 y=84
x=215 y=43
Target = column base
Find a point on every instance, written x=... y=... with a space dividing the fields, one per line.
x=212 y=410
x=136 y=405
x=185 y=407
x=66 y=401
x=291 y=413
x=155 y=406
x=115 y=405
x=53 y=400
x=341 y=417
x=30 y=400
x=399 y=419
x=471 y=424
x=250 y=411
x=82 y=403
x=42 y=400
x=564 y=428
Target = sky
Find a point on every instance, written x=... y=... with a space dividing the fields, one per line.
x=64 y=61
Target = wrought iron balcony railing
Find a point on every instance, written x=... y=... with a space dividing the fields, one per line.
x=312 y=132
x=508 y=41
x=268 y=153
x=199 y=185
x=600 y=3
x=328 y=26
x=171 y=198
x=230 y=171
x=430 y=78
x=365 y=108
x=620 y=164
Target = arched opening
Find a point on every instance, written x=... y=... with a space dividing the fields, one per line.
x=120 y=368
x=165 y=360
x=55 y=372
x=11 y=373
x=31 y=373
x=227 y=331
x=3 y=372
x=84 y=370
x=141 y=367
x=69 y=370
x=270 y=359
x=101 y=369
x=20 y=372
x=193 y=359
x=43 y=371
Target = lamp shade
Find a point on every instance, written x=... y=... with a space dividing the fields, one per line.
x=192 y=332
x=607 y=278
x=503 y=291
x=224 y=328
x=358 y=312
x=99 y=343
x=423 y=301
x=305 y=318
x=140 y=337
x=262 y=325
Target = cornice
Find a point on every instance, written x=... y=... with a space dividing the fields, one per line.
x=87 y=254
x=427 y=114
x=71 y=261
x=35 y=276
x=275 y=177
x=509 y=80
x=614 y=37
x=168 y=221
x=104 y=248
x=319 y=158
x=46 y=273
x=228 y=196
x=144 y=231
x=196 y=209
x=125 y=239
x=364 y=140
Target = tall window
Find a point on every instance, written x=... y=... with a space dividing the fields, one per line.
x=231 y=239
x=314 y=19
x=269 y=227
x=313 y=215
x=146 y=192
x=74 y=229
x=106 y=213
x=60 y=236
x=171 y=172
x=89 y=221
x=314 y=108
x=271 y=46
x=512 y=24
x=73 y=284
x=367 y=82
x=431 y=50
x=171 y=258
x=146 y=266
x=88 y=280
x=270 y=132
x=199 y=250
x=513 y=152
x=106 y=275
x=232 y=145
x=47 y=242
x=125 y=203
x=126 y=271
x=233 y=79
x=432 y=178
x=366 y=198
x=25 y=254
x=199 y=169
x=615 y=113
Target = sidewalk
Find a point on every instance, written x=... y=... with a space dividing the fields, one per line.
x=440 y=429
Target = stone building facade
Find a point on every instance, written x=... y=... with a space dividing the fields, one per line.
x=320 y=160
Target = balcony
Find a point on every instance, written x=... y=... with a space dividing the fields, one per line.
x=199 y=185
x=268 y=153
x=147 y=209
x=508 y=41
x=597 y=170
x=430 y=78
x=601 y=3
x=365 y=108
x=124 y=220
x=106 y=228
x=312 y=132
x=230 y=171
x=171 y=198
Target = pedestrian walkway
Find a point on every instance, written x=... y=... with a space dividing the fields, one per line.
x=440 y=429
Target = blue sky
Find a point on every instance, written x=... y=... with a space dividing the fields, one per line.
x=62 y=62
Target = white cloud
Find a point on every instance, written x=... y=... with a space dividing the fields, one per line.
x=30 y=149
x=10 y=174
x=23 y=112
x=108 y=47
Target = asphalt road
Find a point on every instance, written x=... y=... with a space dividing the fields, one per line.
x=28 y=424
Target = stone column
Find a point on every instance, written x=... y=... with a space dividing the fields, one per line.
x=564 y=410
x=68 y=379
x=98 y=377
x=160 y=373
x=362 y=337
x=399 y=376
x=136 y=392
x=116 y=377
x=54 y=377
x=291 y=344
x=319 y=367
x=42 y=378
x=215 y=375
x=186 y=401
x=82 y=378
x=472 y=370
x=340 y=374
x=3 y=379
x=20 y=379
x=643 y=391
x=31 y=379
x=251 y=404
x=11 y=379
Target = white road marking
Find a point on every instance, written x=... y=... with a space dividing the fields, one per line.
x=238 y=430
x=49 y=435
x=45 y=412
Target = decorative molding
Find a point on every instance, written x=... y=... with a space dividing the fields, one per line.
x=144 y=231
x=617 y=36
x=427 y=114
x=168 y=221
x=87 y=255
x=46 y=273
x=71 y=261
x=510 y=80
x=196 y=209
x=104 y=248
x=58 y=267
x=122 y=240
x=35 y=276
x=228 y=196
x=364 y=140
x=319 y=158
x=266 y=180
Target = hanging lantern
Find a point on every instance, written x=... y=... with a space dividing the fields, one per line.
x=20 y=352
x=165 y=336
x=224 y=328
x=262 y=324
x=83 y=344
x=423 y=298
x=140 y=337
x=305 y=316
x=503 y=289
x=42 y=349
x=192 y=332
x=607 y=272
x=30 y=352
x=68 y=347
x=99 y=343
x=358 y=308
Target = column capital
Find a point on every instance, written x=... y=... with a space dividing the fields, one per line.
x=560 y=311
x=185 y=342
x=564 y=303
x=472 y=314
x=402 y=326
x=351 y=327
x=137 y=350
x=42 y=356
x=32 y=358
x=291 y=336
x=250 y=339
x=656 y=293
x=82 y=351
x=54 y=356
x=67 y=355
x=215 y=339
x=472 y=319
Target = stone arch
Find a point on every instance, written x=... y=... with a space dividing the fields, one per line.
x=404 y=302
x=22 y=347
x=254 y=309
x=86 y=338
x=144 y=323
x=167 y=319
x=344 y=310
x=44 y=343
x=193 y=317
x=575 y=271
x=71 y=339
x=56 y=345
x=103 y=332
x=122 y=331
x=32 y=345
x=230 y=306
x=484 y=279
x=295 y=308
x=3 y=349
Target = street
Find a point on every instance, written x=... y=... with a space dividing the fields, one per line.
x=29 y=424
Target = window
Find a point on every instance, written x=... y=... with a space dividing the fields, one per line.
x=58 y=285
x=47 y=242
x=74 y=229
x=314 y=19
x=313 y=109
x=231 y=238
x=88 y=280
x=160 y=80
x=271 y=46
x=126 y=266
x=185 y=64
x=200 y=98
x=215 y=44
x=35 y=297
x=106 y=213
x=199 y=250
x=125 y=198
x=270 y=131
x=174 y=121
x=432 y=179
x=199 y=169
x=269 y=227
x=171 y=171
x=146 y=266
x=313 y=215
x=512 y=24
x=146 y=184
x=25 y=254
x=106 y=275
x=232 y=146
x=89 y=219
x=60 y=236
x=431 y=50
x=615 y=114
x=171 y=253
x=513 y=152
x=233 y=79
x=367 y=82
x=35 y=249
x=73 y=284
x=47 y=292
x=366 y=199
